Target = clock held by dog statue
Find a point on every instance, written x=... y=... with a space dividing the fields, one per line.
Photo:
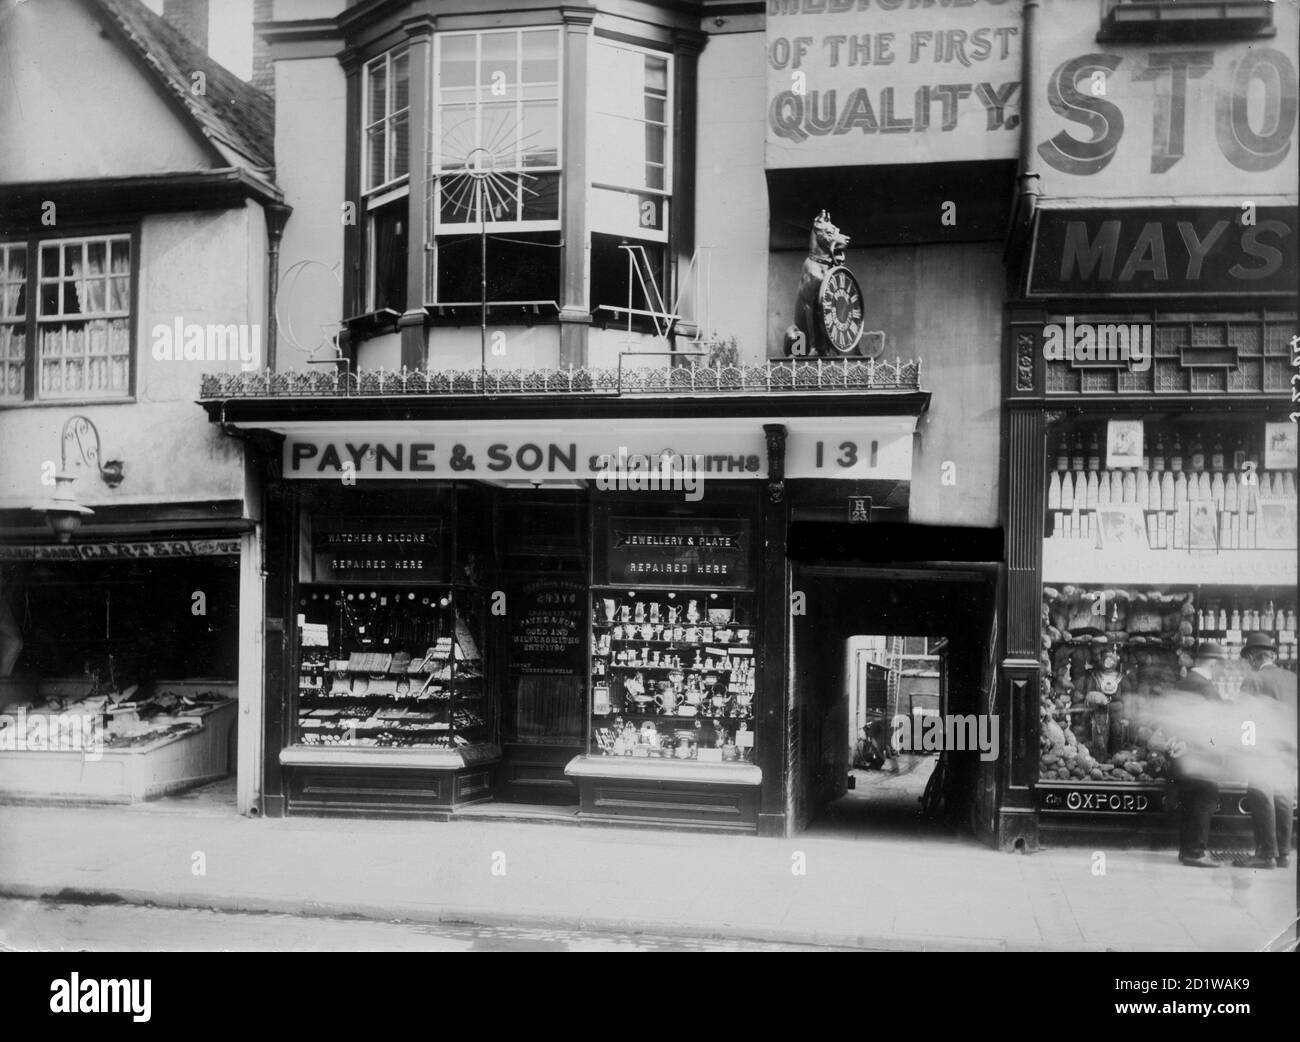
x=828 y=305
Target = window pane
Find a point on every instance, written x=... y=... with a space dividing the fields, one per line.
x=378 y=91
x=656 y=109
x=13 y=282
x=656 y=74
x=119 y=294
x=95 y=255
x=401 y=146
x=401 y=82
x=541 y=57
x=499 y=52
x=541 y=133
x=72 y=258
x=49 y=261
x=499 y=133
x=376 y=139
x=456 y=68
x=388 y=231
x=121 y=257
x=542 y=197
x=71 y=299
x=654 y=144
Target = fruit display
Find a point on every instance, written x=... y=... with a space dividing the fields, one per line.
x=1106 y=654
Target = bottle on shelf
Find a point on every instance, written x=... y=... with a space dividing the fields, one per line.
x=1054 y=491
x=1234 y=620
x=1090 y=493
x=1216 y=455
x=1094 y=452
x=1062 y=453
x=1077 y=458
x=1158 y=456
x=1104 y=487
x=1267 y=622
x=1142 y=486
x=1176 y=454
x=1067 y=491
x=1221 y=621
x=1196 y=454
x=1128 y=486
x=1167 y=499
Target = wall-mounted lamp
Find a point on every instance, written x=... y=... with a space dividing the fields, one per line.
x=80 y=444
x=64 y=513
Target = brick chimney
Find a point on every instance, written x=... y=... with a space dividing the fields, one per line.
x=263 y=68
x=191 y=18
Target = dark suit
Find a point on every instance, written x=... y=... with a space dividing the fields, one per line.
x=1271 y=810
x=1198 y=797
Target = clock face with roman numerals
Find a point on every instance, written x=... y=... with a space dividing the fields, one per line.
x=841 y=304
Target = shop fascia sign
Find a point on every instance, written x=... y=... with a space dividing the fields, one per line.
x=867 y=82
x=1179 y=250
x=847 y=448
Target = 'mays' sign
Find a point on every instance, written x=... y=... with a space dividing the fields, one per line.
x=1174 y=251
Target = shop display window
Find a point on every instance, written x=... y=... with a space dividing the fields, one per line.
x=390 y=666
x=1157 y=537
x=673 y=674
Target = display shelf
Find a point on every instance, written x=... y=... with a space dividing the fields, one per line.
x=1067 y=561
x=692 y=635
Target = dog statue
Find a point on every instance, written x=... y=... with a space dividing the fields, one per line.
x=825 y=251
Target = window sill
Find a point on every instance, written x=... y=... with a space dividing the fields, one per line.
x=76 y=403
x=526 y=312
x=372 y=323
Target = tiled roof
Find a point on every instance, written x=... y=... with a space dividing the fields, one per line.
x=231 y=113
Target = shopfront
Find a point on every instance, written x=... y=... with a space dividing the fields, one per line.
x=590 y=614
x=1153 y=458
x=121 y=667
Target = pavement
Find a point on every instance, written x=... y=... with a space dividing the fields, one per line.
x=825 y=887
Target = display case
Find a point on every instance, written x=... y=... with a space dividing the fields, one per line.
x=1158 y=536
x=673 y=674
x=391 y=666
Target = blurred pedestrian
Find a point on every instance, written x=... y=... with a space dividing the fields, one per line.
x=1197 y=760
x=1272 y=772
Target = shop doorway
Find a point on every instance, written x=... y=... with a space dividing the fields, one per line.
x=891 y=674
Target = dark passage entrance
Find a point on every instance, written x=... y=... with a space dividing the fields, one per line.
x=948 y=612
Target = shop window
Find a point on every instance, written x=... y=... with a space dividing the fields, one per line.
x=386 y=104
x=77 y=339
x=1159 y=537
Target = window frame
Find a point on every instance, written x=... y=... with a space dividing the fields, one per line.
x=437 y=227
x=396 y=185
x=665 y=194
x=34 y=242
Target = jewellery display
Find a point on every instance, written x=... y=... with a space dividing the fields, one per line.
x=648 y=673
x=402 y=667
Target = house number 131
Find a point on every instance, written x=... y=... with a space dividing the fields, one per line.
x=848 y=454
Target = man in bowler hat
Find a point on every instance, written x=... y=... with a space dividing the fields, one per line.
x=1268 y=790
x=1196 y=766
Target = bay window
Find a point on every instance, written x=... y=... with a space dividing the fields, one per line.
x=75 y=343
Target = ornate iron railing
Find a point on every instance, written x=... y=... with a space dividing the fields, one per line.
x=773 y=376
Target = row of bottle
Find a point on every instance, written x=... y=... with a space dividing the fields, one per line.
x=1165 y=454
x=1165 y=490
x=1248 y=620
